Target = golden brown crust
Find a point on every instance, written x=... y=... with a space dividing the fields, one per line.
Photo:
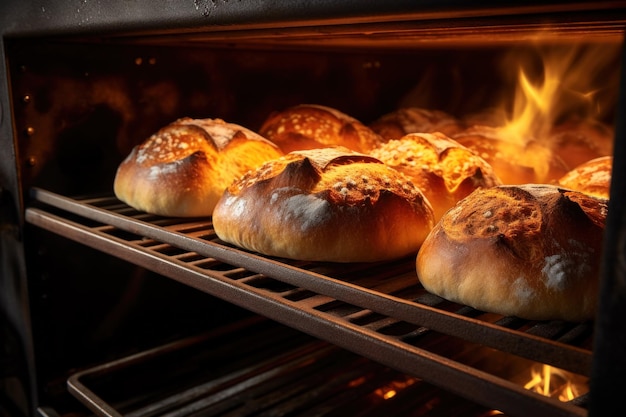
x=531 y=251
x=311 y=126
x=326 y=204
x=592 y=177
x=182 y=169
x=440 y=167
x=513 y=163
x=407 y=120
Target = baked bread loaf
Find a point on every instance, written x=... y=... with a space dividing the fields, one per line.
x=593 y=177
x=531 y=251
x=440 y=167
x=328 y=204
x=183 y=169
x=513 y=163
x=578 y=141
x=407 y=120
x=312 y=126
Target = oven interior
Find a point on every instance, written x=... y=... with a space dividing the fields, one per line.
x=141 y=315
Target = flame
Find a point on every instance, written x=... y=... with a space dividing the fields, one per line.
x=556 y=383
x=553 y=86
x=551 y=382
x=561 y=85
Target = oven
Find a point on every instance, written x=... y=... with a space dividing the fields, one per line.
x=109 y=311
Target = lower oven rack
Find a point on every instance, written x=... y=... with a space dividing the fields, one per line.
x=378 y=310
x=256 y=367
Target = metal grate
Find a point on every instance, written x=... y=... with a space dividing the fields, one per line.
x=378 y=311
x=258 y=368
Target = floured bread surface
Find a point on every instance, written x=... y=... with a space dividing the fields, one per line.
x=531 y=251
x=440 y=167
x=592 y=177
x=182 y=169
x=407 y=120
x=327 y=204
x=312 y=126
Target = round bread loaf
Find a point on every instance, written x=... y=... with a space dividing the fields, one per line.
x=531 y=251
x=513 y=163
x=326 y=204
x=183 y=169
x=407 y=120
x=440 y=167
x=593 y=177
x=578 y=141
x=311 y=126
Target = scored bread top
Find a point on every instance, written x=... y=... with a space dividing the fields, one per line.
x=186 y=136
x=182 y=169
x=531 y=251
x=441 y=168
x=347 y=178
x=518 y=215
x=172 y=144
x=311 y=126
x=327 y=204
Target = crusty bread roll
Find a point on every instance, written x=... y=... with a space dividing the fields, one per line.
x=592 y=177
x=531 y=251
x=578 y=141
x=312 y=126
x=327 y=204
x=440 y=167
x=513 y=163
x=407 y=120
x=183 y=169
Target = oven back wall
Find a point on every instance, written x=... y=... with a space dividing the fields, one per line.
x=80 y=108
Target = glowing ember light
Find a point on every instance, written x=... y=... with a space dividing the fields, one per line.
x=556 y=383
x=492 y=413
x=391 y=389
x=357 y=382
x=389 y=394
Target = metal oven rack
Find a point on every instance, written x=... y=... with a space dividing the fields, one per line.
x=257 y=367
x=378 y=311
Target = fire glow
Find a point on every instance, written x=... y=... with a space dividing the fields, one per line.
x=394 y=387
x=562 y=87
x=556 y=383
x=553 y=88
x=535 y=102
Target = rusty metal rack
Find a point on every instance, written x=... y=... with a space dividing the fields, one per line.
x=378 y=311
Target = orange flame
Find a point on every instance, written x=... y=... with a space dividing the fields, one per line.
x=563 y=84
x=556 y=383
